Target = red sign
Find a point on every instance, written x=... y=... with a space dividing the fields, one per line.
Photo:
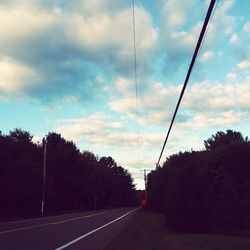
x=144 y=203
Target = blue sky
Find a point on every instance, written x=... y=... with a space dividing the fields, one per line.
x=67 y=66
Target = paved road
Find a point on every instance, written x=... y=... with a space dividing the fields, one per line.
x=88 y=230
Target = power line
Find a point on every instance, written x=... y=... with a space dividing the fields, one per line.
x=135 y=75
x=208 y=26
x=203 y=30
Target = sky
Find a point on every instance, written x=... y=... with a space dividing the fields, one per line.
x=68 y=67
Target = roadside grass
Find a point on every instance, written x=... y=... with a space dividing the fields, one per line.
x=146 y=231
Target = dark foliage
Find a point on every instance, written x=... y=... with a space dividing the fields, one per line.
x=74 y=180
x=205 y=191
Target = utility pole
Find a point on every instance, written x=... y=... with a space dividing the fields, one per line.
x=44 y=175
x=95 y=201
x=145 y=181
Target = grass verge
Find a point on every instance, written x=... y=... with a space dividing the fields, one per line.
x=146 y=231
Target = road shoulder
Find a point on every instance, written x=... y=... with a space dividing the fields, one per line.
x=147 y=231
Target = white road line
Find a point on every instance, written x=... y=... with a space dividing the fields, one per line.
x=93 y=231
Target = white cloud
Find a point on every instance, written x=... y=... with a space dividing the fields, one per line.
x=247 y=26
x=234 y=38
x=100 y=130
x=62 y=43
x=20 y=23
x=215 y=119
x=110 y=36
x=96 y=128
x=136 y=165
x=156 y=105
x=159 y=117
x=245 y=64
x=186 y=39
x=178 y=35
x=125 y=87
x=215 y=96
x=96 y=7
x=175 y=12
x=150 y=102
x=102 y=135
x=124 y=105
x=15 y=76
x=207 y=55
x=243 y=93
x=37 y=139
x=231 y=76
x=222 y=20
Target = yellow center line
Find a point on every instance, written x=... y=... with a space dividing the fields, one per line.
x=51 y=223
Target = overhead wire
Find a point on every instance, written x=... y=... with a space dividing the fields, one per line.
x=135 y=75
x=198 y=45
x=208 y=26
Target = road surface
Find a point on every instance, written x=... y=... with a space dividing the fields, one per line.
x=87 y=230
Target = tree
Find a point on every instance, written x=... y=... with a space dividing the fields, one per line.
x=120 y=189
x=74 y=180
x=221 y=139
x=62 y=184
x=205 y=191
x=19 y=135
x=20 y=168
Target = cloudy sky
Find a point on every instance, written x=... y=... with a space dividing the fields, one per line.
x=67 y=66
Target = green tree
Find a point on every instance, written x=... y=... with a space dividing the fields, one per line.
x=221 y=139
x=20 y=168
x=205 y=191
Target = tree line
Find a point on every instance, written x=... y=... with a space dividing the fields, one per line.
x=74 y=180
x=205 y=191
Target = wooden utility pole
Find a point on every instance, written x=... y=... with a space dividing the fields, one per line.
x=44 y=176
x=145 y=181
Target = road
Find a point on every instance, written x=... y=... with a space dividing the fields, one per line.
x=87 y=230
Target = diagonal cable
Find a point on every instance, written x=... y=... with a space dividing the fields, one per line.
x=203 y=30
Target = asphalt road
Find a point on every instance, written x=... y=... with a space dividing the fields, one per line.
x=87 y=230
